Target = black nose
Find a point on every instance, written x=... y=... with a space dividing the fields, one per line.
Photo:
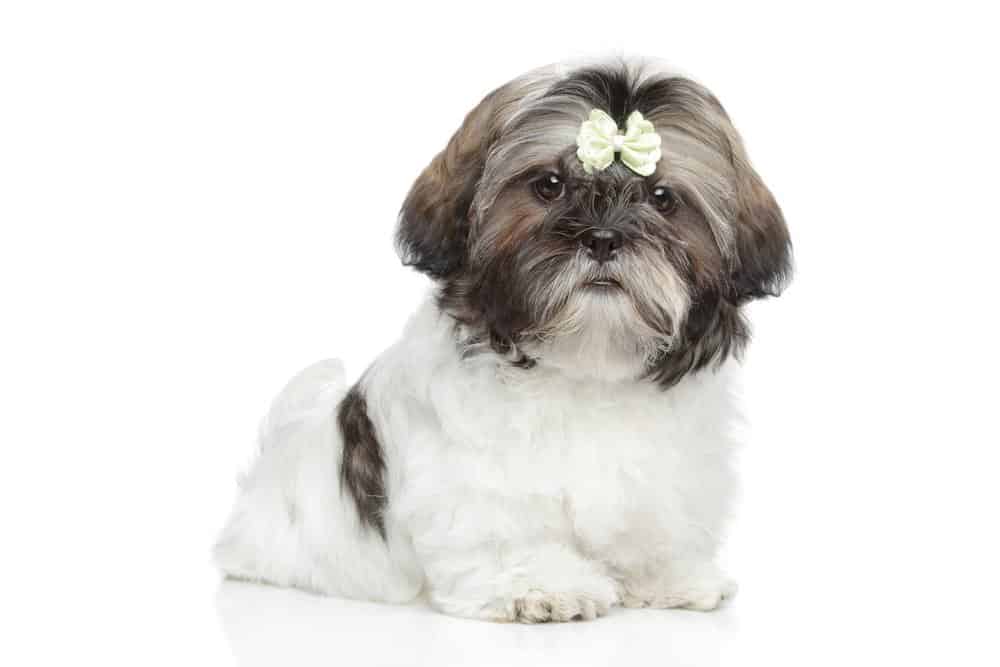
x=602 y=244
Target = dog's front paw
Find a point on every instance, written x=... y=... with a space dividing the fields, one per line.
x=700 y=593
x=541 y=607
x=584 y=600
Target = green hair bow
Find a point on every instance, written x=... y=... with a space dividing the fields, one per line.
x=599 y=139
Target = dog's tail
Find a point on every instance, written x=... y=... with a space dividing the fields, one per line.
x=312 y=394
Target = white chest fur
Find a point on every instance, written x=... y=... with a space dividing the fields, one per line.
x=481 y=451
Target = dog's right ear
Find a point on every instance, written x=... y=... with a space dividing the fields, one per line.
x=434 y=221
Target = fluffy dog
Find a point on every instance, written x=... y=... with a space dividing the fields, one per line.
x=551 y=435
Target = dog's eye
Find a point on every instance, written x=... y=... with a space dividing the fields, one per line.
x=549 y=187
x=664 y=199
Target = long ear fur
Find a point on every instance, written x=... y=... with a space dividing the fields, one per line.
x=433 y=223
x=763 y=252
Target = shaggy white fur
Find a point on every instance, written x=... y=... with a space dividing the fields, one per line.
x=512 y=495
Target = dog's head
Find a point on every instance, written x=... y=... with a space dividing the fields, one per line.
x=607 y=273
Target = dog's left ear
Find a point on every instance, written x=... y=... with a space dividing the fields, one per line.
x=762 y=261
x=434 y=221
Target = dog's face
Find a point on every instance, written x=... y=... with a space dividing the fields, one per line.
x=608 y=273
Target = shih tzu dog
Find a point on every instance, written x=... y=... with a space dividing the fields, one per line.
x=551 y=435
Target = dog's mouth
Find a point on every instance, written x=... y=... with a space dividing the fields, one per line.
x=603 y=284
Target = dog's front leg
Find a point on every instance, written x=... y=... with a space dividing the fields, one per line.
x=527 y=583
x=489 y=562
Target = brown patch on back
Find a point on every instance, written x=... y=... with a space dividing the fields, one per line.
x=362 y=465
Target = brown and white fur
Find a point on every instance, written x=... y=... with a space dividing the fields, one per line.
x=551 y=435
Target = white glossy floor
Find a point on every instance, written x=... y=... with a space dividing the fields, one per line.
x=269 y=626
x=817 y=625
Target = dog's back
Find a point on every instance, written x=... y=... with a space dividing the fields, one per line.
x=290 y=526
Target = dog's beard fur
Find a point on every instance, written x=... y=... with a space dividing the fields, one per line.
x=511 y=268
x=600 y=335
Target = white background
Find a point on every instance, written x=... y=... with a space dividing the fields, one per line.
x=197 y=199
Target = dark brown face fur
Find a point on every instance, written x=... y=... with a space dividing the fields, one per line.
x=512 y=265
x=527 y=244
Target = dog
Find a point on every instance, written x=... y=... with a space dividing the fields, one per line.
x=552 y=435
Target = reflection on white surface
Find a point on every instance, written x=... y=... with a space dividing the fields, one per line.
x=273 y=626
